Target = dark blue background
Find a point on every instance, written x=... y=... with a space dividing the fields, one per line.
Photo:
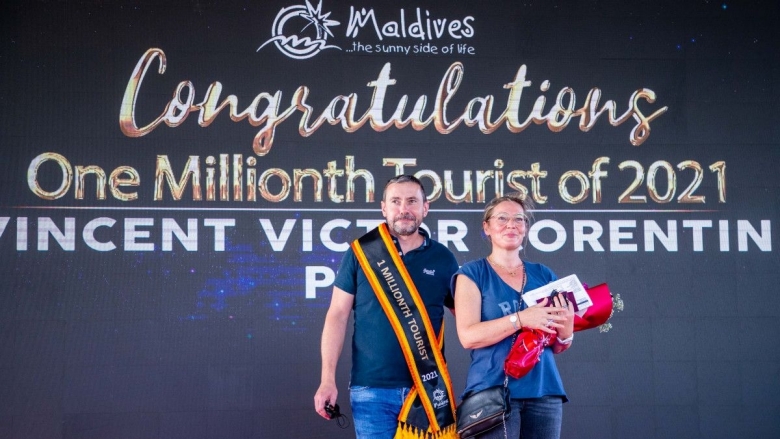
x=224 y=345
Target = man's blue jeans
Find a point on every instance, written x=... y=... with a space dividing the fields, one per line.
x=375 y=410
x=538 y=418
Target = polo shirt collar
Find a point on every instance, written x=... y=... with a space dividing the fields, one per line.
x=426 y=241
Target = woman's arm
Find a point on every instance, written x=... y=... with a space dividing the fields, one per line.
x=474 y=333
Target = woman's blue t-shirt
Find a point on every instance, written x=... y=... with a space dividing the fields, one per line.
x=498 y=300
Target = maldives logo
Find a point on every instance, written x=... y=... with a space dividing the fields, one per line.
x=301 y=32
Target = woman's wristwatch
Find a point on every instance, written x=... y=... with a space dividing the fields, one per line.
x=566 y=340
x=514 y=319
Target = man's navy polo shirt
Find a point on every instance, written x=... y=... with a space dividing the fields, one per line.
x=377 y=359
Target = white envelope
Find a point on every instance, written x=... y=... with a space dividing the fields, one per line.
x=568 y=283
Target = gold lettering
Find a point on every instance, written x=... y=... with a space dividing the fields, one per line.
x=284 y=191
x=32 y=175
x=163 y=171
x=342 y=109
x=115 y=181
x=316 y=178
x=100 y=181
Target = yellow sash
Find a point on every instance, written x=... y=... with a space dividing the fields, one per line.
x=429 y=409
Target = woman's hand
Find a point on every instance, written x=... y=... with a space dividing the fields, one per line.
x=565 y=309
x=552 y=320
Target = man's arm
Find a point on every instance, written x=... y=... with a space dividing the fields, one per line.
x=332 y=343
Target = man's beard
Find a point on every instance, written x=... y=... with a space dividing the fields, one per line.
x=405 y=230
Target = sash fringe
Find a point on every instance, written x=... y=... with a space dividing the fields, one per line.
x=408 y=431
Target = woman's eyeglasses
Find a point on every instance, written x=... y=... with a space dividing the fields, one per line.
x=503 y=219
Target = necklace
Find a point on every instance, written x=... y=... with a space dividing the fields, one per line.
x=511 y=272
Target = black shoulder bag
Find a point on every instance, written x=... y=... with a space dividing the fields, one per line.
x=483 y=410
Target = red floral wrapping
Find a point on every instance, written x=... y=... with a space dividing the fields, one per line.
x=598 y=313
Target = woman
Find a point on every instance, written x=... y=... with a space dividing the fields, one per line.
x=490 y=311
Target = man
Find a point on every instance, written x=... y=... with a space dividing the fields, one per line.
x=397 y=281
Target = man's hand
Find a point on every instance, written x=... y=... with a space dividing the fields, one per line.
x=326 y=394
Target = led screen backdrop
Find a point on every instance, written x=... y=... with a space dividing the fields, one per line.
x=180 y=179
